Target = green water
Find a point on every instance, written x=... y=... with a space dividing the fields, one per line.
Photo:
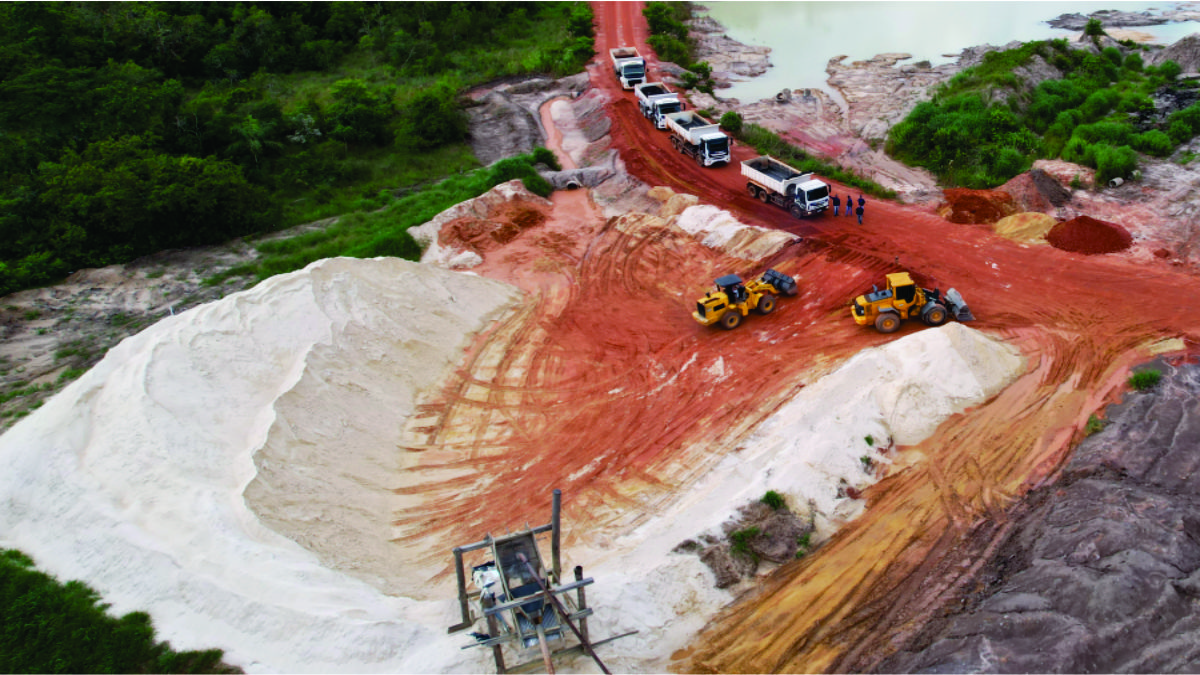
x=803 y=36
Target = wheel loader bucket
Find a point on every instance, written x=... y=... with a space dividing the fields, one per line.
x=958 y=306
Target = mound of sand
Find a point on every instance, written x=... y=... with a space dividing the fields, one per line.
x=971 y=207
x=144 y=476
x=1089 y=236
x=1030 y=228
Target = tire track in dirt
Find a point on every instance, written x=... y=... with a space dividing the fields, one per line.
x=1081 y=321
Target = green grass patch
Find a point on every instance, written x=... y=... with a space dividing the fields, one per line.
x=740 y=542
x=774 y=500
x=1094 y=425
x=1144 y=380
x=51 y=627
x=384 y=231
x=803 y=544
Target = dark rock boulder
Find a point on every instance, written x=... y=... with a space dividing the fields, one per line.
x=1102 y=573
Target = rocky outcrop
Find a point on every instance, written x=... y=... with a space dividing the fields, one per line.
x=503 y=118
x=1107 y=18
x=1102 y=571
x=730 y=59
x=759 y=534
x=1185 y=52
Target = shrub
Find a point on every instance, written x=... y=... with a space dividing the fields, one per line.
x=1094 y=425
x=1094 y=28
x=1134 y=62
x=731 y=121
x=1170 y=70
x=1114 y=162
x=1146 y=379
x=774 y=500
x=1153 y=142
x=740 y=541
x=546 y=156
x=51 y=627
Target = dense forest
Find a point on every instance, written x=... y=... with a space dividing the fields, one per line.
x=131 y=127
x=986 y=125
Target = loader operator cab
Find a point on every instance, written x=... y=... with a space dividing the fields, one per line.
x=733 y=288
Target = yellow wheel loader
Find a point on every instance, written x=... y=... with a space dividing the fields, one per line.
x=734 y=299
x=903 y=299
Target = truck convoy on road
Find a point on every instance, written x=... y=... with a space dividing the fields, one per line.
x=656 y=102
x=772 y=181
x=698 y=138
x=904 y=299
x=628 y=66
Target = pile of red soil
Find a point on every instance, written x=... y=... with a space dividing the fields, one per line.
x=974 y=207
x=1089 y=236
x=484 y=235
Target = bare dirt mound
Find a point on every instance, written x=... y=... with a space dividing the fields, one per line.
x=1089 y=236
x=972 y=207
x=1030 y=228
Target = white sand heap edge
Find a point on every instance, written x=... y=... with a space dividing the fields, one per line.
x=132 y=478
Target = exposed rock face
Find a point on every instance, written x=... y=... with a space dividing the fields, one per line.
x=1102 y=573
x=880 y=93
x=1107 y=17
x=729 y=58
x=504 y=119
x=1185 y=52
x=759 y=534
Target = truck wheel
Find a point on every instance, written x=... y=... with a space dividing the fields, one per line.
x=731 y=319
x=934 y=315
x=675 y=144
x=887 y=322
x=699 y=159
x=764 y=197
x=752 y=191
x=766 y=304
x=797 y=212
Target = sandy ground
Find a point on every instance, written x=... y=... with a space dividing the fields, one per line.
x=282 y=473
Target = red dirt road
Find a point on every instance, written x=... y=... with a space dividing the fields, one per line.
x=600 y=384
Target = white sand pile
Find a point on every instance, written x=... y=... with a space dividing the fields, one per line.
x=133 y=477
x=716 y=228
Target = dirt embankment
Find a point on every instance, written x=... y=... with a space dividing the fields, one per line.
x=1102 y=567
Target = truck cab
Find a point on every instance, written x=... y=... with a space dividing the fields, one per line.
x=716 y=148
x=631 y=72
x=664 y=108
x=812 y=196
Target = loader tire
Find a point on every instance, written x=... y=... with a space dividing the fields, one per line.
x=731 y=319
x=888 y=322
x=766 y=304
x=934 y=315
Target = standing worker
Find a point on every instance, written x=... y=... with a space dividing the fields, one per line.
x=861 y=201
x=858 y=212
x=836 y=203
x=849 y=204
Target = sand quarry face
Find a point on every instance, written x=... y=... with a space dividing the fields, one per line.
x=237 y=470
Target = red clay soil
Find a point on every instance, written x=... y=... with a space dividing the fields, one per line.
x=601 y=384
x=1089 y=236
x=975 y=207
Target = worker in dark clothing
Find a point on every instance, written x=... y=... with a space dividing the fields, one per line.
x=849 y=203
x=836 y=203
x=861 y=202
x=858 y=212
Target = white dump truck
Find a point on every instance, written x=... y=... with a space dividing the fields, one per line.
x=772 y=181
x=698 y=138
x=656 y=102
x=628 y=66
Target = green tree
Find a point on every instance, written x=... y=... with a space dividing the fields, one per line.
x=432 y=118
x=359 y=113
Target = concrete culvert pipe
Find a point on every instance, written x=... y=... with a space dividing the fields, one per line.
x=572 y=185
x=1116 y=182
